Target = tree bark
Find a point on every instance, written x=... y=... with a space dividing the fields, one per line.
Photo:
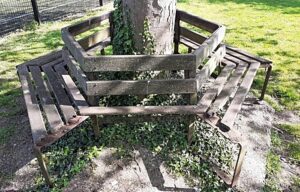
x=161 y=17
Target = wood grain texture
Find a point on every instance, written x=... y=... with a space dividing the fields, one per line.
x=216 y=88
x=228 y=90
x=51 y=112
x=208 y=46
x=144 y=110
x=141 y=87
x=190 y=44
x=251 y=56
x=56 y=86
x=140 y=63
x=36 y=121
x=75 y=70
x=76 y=97
x=86 y=25
x=197 y=21
x=236 y=104
x=209 y=67
x=94 y=39
x=193 y=36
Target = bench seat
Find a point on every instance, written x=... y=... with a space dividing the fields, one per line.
x=52 y=101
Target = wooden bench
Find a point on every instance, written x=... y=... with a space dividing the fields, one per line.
x=55 y=105
x=52 y=100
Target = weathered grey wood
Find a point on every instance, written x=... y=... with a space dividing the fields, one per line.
x=187 y=42
x=73 y=46
x=216 y=88
x=192 y=100
x=197 y=21
x=225 y=62
x=75 y=70
x=194 y=36
x=88 y=24
x=37 y=124
x=77 y=97
x=93 y=100
x=206 y=49
x=228 y=90
x=236 y=104
x=240 y=56
x=99 y=46
x=140 y=63
x=109 y=119
x=94 y=39
x=233 y=59
x=71 y=88
x=44 y=59
x=141 y=87
x=141 y=110
x=210 y=66
x=242 y=52
x=53 y=117
x=176 y=33
x=59 y=92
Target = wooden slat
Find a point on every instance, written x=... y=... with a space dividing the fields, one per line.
x=240 y=57
x=88 y=24
x=206 y=49
x=94 y=39
x=209 y=67
x=228 y=89
x=218 y=85
x=73 y=46
x=197 y=21
x=53 y=118
x=60 y=94
x=141 y=87
x=236 y=104
x=228 y=62
x=75 y=70
x=194 y=36
x=37 y=124
x=143 y=110
x=99 y=46
x=140 y=63
x=233 y=59
x=188 y=43
x=242 y=52
x=71 y=88
x=44 y=59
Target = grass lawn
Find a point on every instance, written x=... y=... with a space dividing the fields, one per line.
x=267 y=28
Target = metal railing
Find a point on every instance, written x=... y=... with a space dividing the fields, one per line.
x=14 y=14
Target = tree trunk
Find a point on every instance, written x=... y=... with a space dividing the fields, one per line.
x=160 y=15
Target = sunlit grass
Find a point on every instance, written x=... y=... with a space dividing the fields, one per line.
x=20 y=47
x=267 y=28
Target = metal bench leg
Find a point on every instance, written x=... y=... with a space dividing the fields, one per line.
x=269 y=71
x=42 y=165
x=238 y=166
x=191 y=130
x=192 y=118
x=96 y=125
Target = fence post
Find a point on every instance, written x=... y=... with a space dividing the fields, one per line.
x=36 y=13
x=101 y=3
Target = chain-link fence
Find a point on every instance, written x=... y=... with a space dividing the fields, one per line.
x=14 y=14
